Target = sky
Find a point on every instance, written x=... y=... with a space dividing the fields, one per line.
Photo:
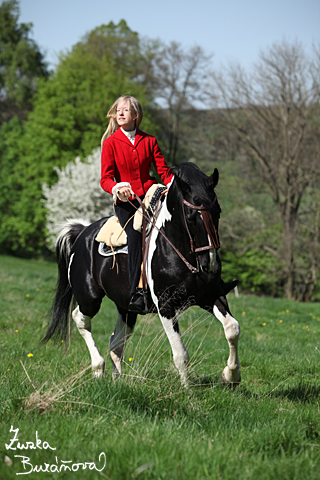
x=231 y=30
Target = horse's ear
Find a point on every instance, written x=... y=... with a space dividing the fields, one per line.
x=182 y=185
x=214 y=178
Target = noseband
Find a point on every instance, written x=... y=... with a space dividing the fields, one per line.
x=209 y=226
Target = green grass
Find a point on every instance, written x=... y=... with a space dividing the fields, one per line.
x=148 y=426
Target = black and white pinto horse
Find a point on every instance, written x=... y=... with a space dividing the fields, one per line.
x=182 y=268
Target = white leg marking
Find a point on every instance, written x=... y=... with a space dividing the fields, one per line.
x=179 y=351
x=84 y=326
x=117 y=345
x=231 y=373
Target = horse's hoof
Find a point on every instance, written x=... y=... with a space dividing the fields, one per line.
x=185 y=384
x=230 y=378
x=98 y=370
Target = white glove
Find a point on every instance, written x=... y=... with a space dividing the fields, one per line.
x=116 y=194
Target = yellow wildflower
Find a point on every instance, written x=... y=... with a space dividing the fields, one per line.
x=30 y=355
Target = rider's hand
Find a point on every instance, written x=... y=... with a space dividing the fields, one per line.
x=125 y=193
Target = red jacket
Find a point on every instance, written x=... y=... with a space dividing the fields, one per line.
x=123 y=162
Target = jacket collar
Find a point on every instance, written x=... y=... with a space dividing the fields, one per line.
x=119 y=135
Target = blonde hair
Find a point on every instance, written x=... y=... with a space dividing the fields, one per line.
x=112 y=114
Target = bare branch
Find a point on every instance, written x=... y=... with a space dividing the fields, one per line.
x=275 y=112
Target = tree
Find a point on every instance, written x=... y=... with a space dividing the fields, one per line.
x=21 y=63
x=67 y=121
x=118 y=44
x=273 y=114
x=70 y=108
x=21 y=67
x=308 y=245
x=177 y=77
x=75 y=195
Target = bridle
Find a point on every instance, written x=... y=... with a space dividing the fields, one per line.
x=209 y=226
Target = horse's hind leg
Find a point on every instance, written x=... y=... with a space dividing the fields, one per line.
x=123 y=329
x=83 y=323
x=231 y=373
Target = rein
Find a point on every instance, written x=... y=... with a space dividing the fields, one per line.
x=209 y=226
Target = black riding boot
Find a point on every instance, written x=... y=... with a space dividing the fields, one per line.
x=137 y=302
x=125 y=212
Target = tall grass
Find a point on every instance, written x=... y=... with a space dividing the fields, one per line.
x=148 y=426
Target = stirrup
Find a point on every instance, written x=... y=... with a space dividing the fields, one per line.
x=137 y=302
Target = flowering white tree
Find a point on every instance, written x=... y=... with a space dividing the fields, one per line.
x=77 y=194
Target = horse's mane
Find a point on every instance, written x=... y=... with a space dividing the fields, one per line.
x=192 y=176
x=189 y=172
x=197 y=180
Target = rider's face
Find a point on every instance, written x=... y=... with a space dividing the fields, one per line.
x=125 y=117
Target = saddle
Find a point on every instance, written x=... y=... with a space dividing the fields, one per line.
x=113 y=235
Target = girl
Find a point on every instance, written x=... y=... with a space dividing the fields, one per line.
x=127 y=154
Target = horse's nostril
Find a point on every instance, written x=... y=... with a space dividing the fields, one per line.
x=204 y=267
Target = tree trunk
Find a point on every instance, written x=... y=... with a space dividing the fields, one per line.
x=289 y=223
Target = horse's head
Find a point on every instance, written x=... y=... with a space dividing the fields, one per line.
x=194 y=191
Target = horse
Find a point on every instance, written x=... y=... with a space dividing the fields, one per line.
x=182 y=269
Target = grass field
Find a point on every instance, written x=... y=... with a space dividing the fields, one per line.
x=145 y=425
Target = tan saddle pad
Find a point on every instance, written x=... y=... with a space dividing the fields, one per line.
x=113 y=235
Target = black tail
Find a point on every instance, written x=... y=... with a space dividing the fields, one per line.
x=60 y=312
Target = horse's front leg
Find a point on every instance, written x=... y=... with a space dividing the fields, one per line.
x=83 y=323
x=179 y=351
x=123 y=329
x=231 y=373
